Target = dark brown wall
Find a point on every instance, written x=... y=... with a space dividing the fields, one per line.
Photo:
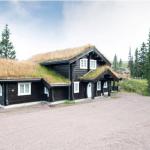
x=82 y=91
x=2 y=98
x=60 y=93
x=62 y=69
x=77 y=72
x=97 y=93
x=37 y=93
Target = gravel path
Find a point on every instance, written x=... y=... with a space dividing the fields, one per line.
x=119 y=123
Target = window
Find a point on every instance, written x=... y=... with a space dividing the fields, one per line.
x=83 y=63
x=46 y=91
x=93 y=64
x=76 y=87
x=0 y=90
x=98 y=86
x=24 y=88
x=105 y=84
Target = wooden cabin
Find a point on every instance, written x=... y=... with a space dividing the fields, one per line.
x=73 y=73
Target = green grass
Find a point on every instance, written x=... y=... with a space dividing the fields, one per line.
x=136 y=86
x=69 y=102
x=50 y=75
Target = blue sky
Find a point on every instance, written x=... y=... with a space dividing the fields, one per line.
x=112 y=26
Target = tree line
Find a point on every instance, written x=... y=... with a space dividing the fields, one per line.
x=6 y=47
x=139 y=64
x=117 y=65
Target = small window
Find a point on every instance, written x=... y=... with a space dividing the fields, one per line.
x=93 y=64
x=98 y=86
x=46 y=91
x=0 y=90
x=83 y=63
x=76 y=87
x=24 y=88
x=105 y=84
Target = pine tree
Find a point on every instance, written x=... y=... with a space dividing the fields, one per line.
x=130 y=63
x=142 y=60
x=6 y=47
x=120 y=63
x=115 y=63
x=136 y=64
x=148 y=64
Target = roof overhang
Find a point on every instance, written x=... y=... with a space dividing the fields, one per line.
x=101 y=73
x=20 y=79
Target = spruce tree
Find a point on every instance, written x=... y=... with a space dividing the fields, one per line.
x=136 y=64
x=120 y=63
x=130 y=63
x=148 y=64
x=6 y=46
x=115 y=63
x=142 y=60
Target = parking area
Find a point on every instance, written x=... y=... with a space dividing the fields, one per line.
x=118 y=123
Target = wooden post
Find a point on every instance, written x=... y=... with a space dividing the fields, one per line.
x=52 y=94
x=109 y=87
x=102 y=88
x=93 y=90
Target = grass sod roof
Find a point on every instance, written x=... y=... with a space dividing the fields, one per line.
x=57 y=55
x=13 y=69
x=93 y=74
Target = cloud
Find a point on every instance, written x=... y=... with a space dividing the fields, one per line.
x=112 y=26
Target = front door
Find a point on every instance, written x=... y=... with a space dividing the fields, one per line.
x=89 y=90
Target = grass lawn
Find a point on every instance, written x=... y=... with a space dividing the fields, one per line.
x=135 y=85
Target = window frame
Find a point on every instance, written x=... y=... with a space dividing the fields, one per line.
x=91 y=64
x=76 y=83
x=46 y=91
x=83 y=63
x=1 y=90
x=105 y=84
x=98 y=85
x=24 y=85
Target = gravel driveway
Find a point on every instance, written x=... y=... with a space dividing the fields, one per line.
x=119 y=123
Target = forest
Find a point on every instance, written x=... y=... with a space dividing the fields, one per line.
x=139 y=69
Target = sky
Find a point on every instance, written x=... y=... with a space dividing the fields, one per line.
x=112 y=26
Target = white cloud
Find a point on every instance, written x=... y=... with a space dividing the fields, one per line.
x=112 y=26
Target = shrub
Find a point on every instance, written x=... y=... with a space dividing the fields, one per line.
x=135 y=85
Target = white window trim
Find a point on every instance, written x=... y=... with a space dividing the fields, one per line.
x=76 y=90
x=98 y=85
x=46 y=91
x=23 y=83
x=85 y=63
x=1 y=90
x=105 y=84
x=95 y=64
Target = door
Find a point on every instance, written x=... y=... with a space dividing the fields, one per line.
x=89 y=90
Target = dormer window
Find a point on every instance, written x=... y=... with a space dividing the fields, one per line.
x=83 y=63
x=93 y=64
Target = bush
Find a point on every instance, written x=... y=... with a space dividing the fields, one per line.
x=135 y=85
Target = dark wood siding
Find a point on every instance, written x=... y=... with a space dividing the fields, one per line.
x=97 y=93
x=62 y=69
x=2 y=98
x=82 y=91
x=77 y=72
x=60 y=93
x=37 y=93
